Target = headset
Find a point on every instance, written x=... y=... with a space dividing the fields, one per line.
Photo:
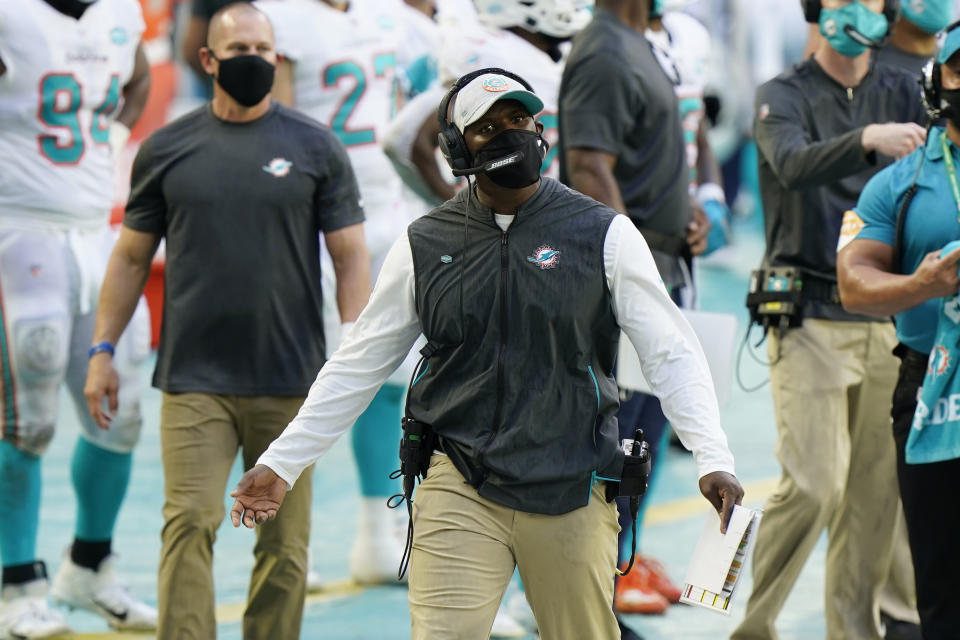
x=452 y=144
x=891 y=11
x=930 y=81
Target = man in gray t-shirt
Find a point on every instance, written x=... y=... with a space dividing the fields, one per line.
x=621 y=138
x=240 y=189
x=622 y=144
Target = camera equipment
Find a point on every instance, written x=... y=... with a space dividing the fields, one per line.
x=633 y=482
x=775 y=296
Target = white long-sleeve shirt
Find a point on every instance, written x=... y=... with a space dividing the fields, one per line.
x=671 y=357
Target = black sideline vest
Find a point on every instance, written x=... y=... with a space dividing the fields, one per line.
x=521 y=389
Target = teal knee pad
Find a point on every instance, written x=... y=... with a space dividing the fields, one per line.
x=19 y=504
x=100 y=480
x=376 y=440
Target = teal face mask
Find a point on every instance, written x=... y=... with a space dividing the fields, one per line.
x=932 y=16
x=852 y=28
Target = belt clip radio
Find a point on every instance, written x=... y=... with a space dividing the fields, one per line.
x=637 y=464
x=416 y=449
x=775 y=297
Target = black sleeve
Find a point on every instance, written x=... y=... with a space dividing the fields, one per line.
x=797 y=161
x=146 y=208
x=600 y=102
x=337 y=198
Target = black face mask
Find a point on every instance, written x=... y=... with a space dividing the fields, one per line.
x=952 y=97
x=247 y=79
x=524 y=171
x=73 y=8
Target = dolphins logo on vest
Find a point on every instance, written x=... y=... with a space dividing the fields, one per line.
x=545 y=257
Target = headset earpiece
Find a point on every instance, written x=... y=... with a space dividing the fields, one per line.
x=450 y=139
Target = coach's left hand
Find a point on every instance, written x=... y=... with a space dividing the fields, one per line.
x=258 y=497
x=723 y=490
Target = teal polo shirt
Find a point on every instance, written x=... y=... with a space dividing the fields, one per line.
x=931 y=223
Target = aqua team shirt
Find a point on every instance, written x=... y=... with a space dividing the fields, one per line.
x=931 y=223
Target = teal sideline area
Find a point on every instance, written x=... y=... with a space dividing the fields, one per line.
x=346 y=612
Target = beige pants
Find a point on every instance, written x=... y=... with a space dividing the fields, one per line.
x=465 y=549
x=200 y=435
x=832 y=385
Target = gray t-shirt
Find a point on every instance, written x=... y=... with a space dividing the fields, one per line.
x=241 y=206
x=615 y=97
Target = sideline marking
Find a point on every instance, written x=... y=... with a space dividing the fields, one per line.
x=657 y=515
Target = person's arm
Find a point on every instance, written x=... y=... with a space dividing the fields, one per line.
x=411 y=144
x=866 y=252
x=672 y=361
x=799 y=162
x=600 y=102
x=126 y=274
x=867 y=285
x=378 y=343
x=143 y=226
x=282 y=90
x=590 y=171
x=708 y=169
x=136 y=91
x=351 y=263
x=424 y=158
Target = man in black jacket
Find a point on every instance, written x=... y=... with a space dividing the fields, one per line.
x=820 y=137
x=521 y=287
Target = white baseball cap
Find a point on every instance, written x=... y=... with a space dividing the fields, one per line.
x=478 y=96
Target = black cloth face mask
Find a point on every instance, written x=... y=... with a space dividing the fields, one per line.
x=522 y=172
x=247 y=79
x=952 y=97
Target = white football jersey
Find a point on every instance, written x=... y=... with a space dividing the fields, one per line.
x=62 y=88
x=683 y=50
x=344 y=75
x=477 y=47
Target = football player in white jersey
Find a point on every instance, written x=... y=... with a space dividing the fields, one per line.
x=523 y=37
x=73 y=80
x=347 y=79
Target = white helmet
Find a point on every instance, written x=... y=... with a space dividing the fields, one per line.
x=557 y=18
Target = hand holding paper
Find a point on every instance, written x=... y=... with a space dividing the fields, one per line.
x=723 y=490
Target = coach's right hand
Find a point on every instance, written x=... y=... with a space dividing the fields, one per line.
x=258 y=497
x=102 y=381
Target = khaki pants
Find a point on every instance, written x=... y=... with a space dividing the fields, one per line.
x=832 y=385
x=465 y=549
x=200 y=435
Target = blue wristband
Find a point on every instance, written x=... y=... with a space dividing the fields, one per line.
x=100 y=347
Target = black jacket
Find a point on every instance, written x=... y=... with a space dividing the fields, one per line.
x=812 y=165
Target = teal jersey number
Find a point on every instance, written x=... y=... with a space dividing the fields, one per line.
x=551 y=127
x=381 y=65
x=100 y=129
x=332 y=76
x=66 y=115
x=63 y=116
